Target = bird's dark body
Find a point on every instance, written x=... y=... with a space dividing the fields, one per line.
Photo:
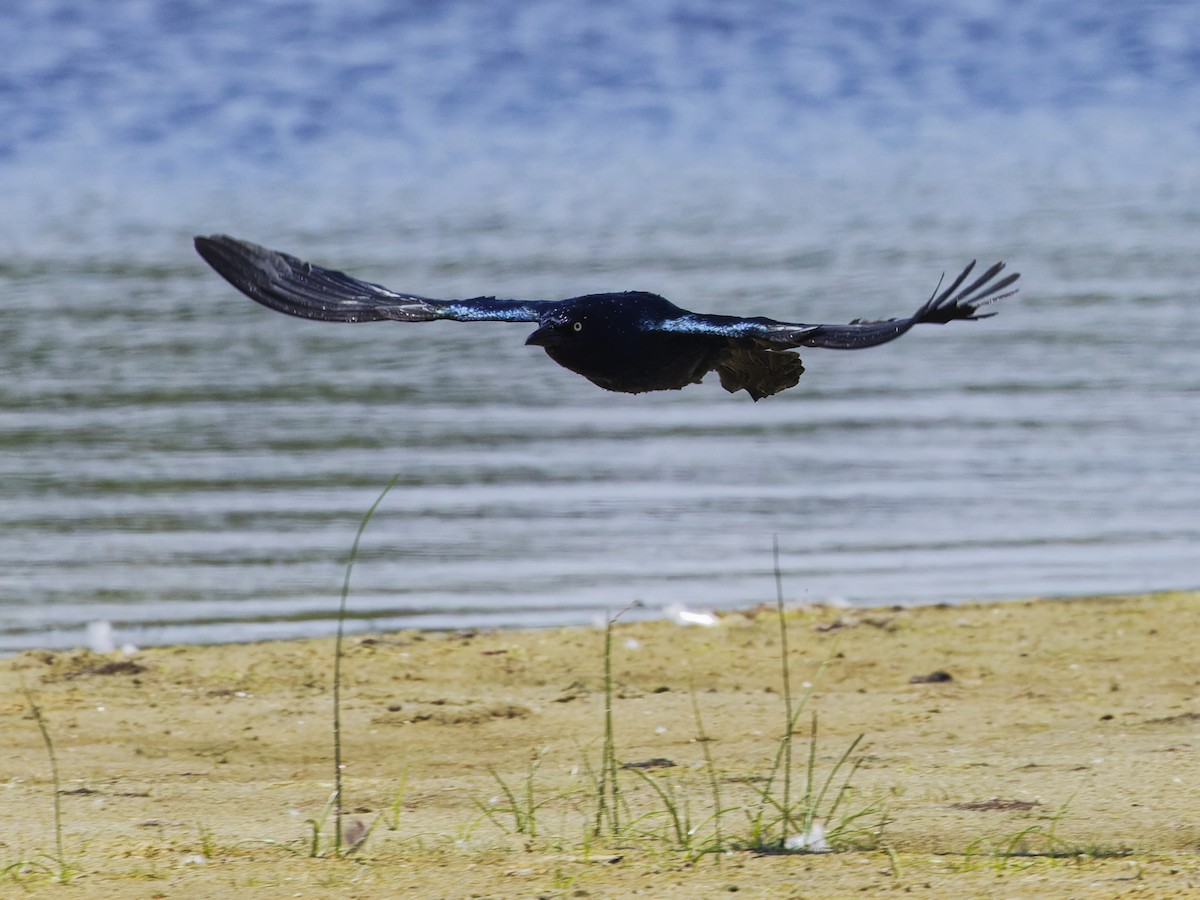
x=619 y=353
x=628 y=342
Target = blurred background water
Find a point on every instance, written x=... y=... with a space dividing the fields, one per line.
x=192 y=467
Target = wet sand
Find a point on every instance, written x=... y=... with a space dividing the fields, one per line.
x=195 y=771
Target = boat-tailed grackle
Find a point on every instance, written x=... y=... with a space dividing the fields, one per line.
x=630 y=342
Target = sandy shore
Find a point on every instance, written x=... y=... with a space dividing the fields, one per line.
x=195 y=771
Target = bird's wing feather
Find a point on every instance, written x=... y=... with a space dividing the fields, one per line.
x=292 y=286
x=955 y=302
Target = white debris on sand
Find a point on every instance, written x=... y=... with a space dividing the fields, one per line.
x=810 y=841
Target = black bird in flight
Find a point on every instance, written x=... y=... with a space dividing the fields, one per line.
x=630 y=342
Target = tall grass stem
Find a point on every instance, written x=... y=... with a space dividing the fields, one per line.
x=337 y=670
x=40 y=720
x=787 y=687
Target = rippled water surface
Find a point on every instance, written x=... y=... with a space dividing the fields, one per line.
x=192 y=467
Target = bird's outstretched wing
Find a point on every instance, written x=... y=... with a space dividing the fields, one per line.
x=955 y=302
x=292 y=286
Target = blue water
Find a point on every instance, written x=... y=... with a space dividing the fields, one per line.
x=192 y=467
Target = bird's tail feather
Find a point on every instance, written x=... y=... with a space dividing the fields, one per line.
x=760 y=373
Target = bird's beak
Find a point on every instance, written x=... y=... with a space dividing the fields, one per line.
x=543 y=337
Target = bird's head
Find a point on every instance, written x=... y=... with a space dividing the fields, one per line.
x=557 y=329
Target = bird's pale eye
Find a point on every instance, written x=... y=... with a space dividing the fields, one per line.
x=578 y=326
